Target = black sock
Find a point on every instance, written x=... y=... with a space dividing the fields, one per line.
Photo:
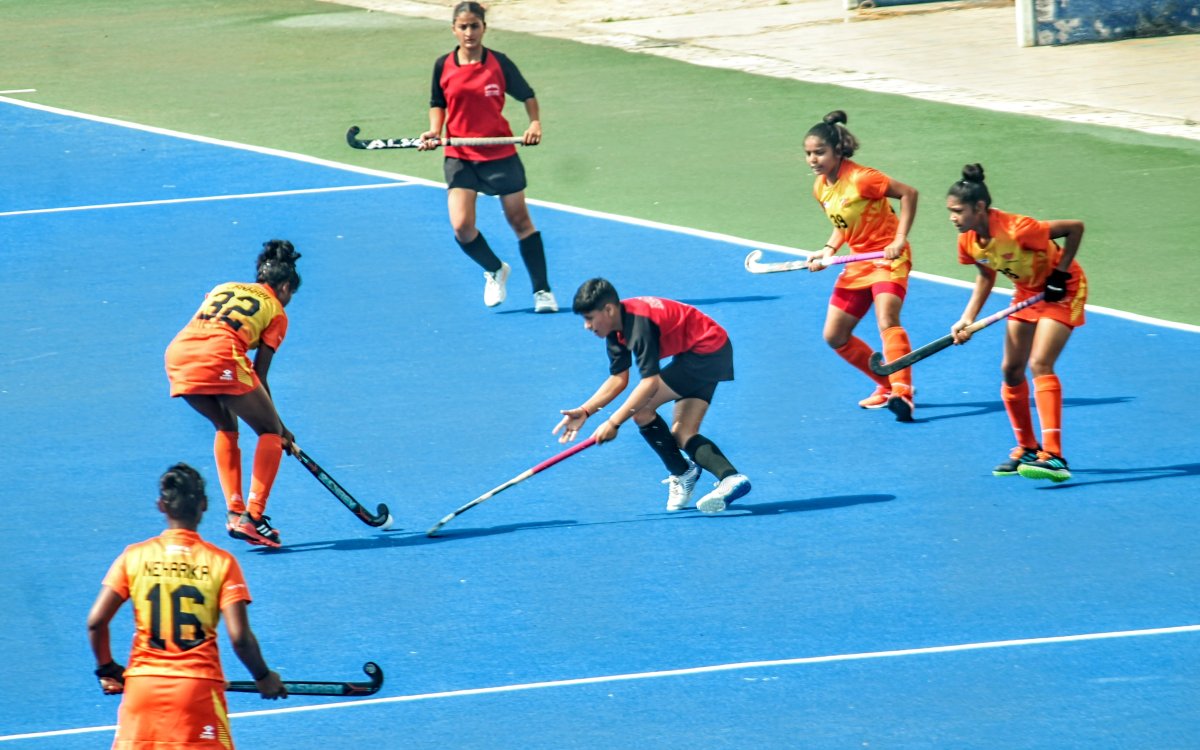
x=708 y=456
x=659 y=436
x=481 y=252
x=534 y=255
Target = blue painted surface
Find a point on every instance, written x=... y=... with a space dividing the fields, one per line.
x=1070 y=21
x=861 y=534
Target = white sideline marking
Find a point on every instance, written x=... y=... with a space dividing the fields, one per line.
x=727 y=238
x=203 y=198
x=673 y=673
x=19 y=91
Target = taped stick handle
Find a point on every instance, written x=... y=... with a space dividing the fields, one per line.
x=837 y=260
x=515 y=480
x=879 y=367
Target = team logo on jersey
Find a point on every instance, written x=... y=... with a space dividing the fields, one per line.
x=209 y=732
x=492 y=89
x=983 y=261
x=227 y=375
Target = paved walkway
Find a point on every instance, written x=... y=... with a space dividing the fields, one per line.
x=959 y=52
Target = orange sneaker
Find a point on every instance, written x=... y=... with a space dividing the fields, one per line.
x=878 y=399
x=258 y=531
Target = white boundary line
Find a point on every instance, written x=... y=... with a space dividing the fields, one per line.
x=730 y=239
x=204 y=199
x=736 y=666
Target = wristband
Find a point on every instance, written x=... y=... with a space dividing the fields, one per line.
x=831 y=247
x=263 y=676
x=112 y=670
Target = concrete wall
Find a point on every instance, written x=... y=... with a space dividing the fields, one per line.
x=1054 y=22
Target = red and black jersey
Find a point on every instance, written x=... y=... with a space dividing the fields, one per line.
x=473 y=96
x=653 y=328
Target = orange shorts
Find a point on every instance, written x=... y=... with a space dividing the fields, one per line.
x=213 y=365
x=1069 y=310
x=172 y=713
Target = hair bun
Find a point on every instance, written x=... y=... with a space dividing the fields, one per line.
x=972 y=173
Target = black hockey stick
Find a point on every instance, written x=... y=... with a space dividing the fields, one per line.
x=879 y=367
x=379 y=143
x=322 y=688
x=380 y=519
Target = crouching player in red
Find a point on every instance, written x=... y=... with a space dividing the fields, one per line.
x=180 y=586
x=650 y=329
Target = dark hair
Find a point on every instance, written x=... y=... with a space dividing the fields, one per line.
x=971 y=188
x=277 y=264
x=469 y=7
x=832 y=130
x=594 y=294
x=181 y=490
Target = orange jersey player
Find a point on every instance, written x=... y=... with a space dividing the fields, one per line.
x=1023 y=249
x=208 y=365
x=180 y=586
x=855 y=198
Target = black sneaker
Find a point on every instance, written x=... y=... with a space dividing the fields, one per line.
x=258 y=531
x=1047 y=466
x=1016 y=457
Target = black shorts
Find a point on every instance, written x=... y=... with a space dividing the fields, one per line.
x=500 y=177
x=694 y=375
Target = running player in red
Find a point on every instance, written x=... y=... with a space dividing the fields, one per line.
x=180 y=586
x=469 y=87
x=1023 y=249
x=650 y=329
x=208 y=366
x=856 y=200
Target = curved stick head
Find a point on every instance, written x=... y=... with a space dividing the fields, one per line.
x=753 y=258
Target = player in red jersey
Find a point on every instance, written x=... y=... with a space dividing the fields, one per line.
x=469 y=87
x=180 y=586
x=1023 y=249
x=650 y=329
x=856 y=200
x=208 y=366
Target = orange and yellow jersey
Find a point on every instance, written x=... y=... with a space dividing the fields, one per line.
x=178 y=584
x=249 y=314
x=857 y=204
x=1020 y=248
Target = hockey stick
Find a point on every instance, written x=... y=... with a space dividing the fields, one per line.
x=322 y=688
x=378 y=143
x=754 y=265
x=515 y=480
x=380 y=519
x=879 y=367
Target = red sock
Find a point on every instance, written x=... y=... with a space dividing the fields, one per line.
x=1016 y=403
x=896 y=345
x=229 y=469
x=267 y=455
x=857 y=353
x=1047 y=392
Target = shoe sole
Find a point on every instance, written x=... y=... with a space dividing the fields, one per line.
x=1012 y=473
x=1033 y=472
x=254 y=537
x=874 y=406
x=719 y=504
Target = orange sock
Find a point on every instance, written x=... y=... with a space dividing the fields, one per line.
x=1016 y=403
x=896 y=345
x=267 y=455
x=857 y=353
x=229 y=469
x=1047 y=392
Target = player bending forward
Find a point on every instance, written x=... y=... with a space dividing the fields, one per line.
x=651 y=328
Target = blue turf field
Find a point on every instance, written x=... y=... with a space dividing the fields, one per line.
x=866 y=549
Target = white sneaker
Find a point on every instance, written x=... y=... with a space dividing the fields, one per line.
x=494 y=291
x=679 y=488
x=727 y=490
x=544 y=302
